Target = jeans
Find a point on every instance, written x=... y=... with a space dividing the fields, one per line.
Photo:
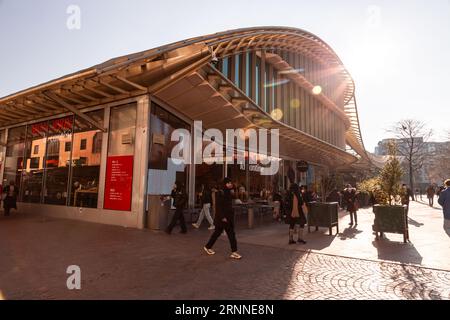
x=229 y=229
x=205 y=212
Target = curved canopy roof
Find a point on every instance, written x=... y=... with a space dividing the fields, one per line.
x=152 y=70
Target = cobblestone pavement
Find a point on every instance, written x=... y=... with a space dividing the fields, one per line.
x=119 y=263
x=321 y=276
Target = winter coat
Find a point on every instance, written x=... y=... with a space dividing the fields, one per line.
x=224 y=207
x=351 y=200
x=289 y=203
x=444 y=201
x=206 y=196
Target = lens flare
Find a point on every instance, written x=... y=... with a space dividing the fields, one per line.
x=276 y=114
x=295 y=103
x=317 y=90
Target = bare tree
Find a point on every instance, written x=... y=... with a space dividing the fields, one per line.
x=413 y=136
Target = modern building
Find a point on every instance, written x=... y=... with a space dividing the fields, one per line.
x=96 y=145
x=434 y=155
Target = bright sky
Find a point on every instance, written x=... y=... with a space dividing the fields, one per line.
x=397 y=51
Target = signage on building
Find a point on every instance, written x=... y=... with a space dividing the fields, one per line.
x=302 y=166
x=119 y=183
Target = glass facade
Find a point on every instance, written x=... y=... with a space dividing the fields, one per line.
x=86 y=157
x=270 y=89
x=163 y=172
x=55 y=161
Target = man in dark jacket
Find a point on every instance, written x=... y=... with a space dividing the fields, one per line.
x=444 y=201
x=179 y=201
x=224 y=220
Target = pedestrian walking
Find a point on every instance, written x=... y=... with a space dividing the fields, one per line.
x=444 y=201
x=179 y=202
x=9 y=195
x=295 y=216
x=430 y=195
x=224 y=220
x=405 y=195
x=206 y=200
x=352 y=204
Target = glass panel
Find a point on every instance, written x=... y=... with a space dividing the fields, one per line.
x=257 y=79
x=86 y=158
x=34 y=160
x=122 y=130
x=14 y=156
x=162 y=171
x=237 y=63
x=57 y=160
x=225 y=67
x=120 y=161
x=248 y=74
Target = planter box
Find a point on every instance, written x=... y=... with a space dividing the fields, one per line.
x=391 y=219
x=323 y=215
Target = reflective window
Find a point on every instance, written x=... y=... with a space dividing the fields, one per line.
x=237 y=73
x=34 y=162
x=15 y=147
x=257 y=80
x=57 y=161
x=162 y=171
x=86 y=157
x=248 y=74
x=225 y=67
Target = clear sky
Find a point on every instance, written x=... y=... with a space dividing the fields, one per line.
x=398 y=52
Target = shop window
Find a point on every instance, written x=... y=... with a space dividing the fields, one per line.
x=86 y=163
x=162 y=171
x=56 y=161
x=14 y=163
x=33 y=174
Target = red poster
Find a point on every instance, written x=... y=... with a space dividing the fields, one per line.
x=119 y=183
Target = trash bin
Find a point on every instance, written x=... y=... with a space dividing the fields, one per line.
x=158 y=212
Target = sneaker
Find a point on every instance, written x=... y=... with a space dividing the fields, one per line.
x=235 y=255
x=211 y=228
x=209 y=251
x=196 y=226
x=301 y=241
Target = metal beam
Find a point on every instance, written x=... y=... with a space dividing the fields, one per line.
x=71 y=108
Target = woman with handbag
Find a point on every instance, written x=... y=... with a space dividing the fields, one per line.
x=295 y=215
